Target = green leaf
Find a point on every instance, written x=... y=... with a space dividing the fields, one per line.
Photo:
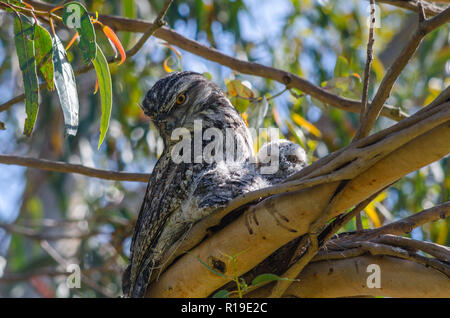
x=43 y=49
x=207 y=75
x=76 y=16
x=240 y=104
x=257 y=112
x=23 y=38
x=66 y=87
x=341 y=68
x=105 y=88
x=264 y=278
x=221 y=294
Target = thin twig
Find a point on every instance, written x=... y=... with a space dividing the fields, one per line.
x=36 y=235
x=406 y=225
x=59 y=166
x=429 y=8
x=64 y=263
x=384 y=90
x=365 y=92
x=384 y=249
x=369 y=59
x=157 y=23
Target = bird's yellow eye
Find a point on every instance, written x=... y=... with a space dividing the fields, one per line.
x=292 y=158
x=181 y=99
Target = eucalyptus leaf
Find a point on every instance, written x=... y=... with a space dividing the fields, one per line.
x=43 y=50
x=66 y=87
x=342 y=67
x=265 y=278
x=23 y=38
x=221 y=294
x=76 y=16
x=240 y=104
x=105 y=87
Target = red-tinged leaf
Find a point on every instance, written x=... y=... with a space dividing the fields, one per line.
x=173 y=49
x=166 y=66
x=115 y=40
x=299 y=120
x=277 y=117
x=96 y=86
x=75 y=37
x=356 y=75
x=114 y=48
x=245 y=116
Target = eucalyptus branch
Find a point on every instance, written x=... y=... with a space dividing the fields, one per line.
x=53 y=253
x=343 y=164
x=290 y=80
x=438 y=251
x=413 y=5
x=157 y=23
x=406 y=225
x=36 y=235
x=384 y=90
x=369 y=59
x=58 y=166
x=384 y=249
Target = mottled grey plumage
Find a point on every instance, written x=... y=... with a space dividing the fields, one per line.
x=162 y=219
x=291 y=158
x=180 y=194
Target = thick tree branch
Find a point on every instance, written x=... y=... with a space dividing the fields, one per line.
x=341 y=165
x=301 y=259
x=429 y=8
x=438 y=251
x=58 y=166
x=376 y=248
x=347 y=277
x=261 y=230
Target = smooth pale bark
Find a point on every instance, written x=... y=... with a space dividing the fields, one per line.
x=348 y=278
x=276 y=220
x=420 y=152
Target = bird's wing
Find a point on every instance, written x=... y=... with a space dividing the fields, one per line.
x=165 y=193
